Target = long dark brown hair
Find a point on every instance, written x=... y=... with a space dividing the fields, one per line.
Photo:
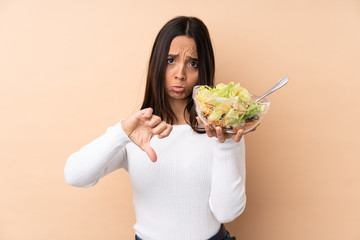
x=155 y=96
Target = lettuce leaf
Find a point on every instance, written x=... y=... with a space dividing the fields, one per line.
x=227 y=104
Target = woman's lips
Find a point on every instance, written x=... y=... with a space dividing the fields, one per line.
x=178 y=89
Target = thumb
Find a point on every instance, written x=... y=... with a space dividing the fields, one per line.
x=150 y=152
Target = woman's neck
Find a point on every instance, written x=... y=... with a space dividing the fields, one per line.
x=178 y=108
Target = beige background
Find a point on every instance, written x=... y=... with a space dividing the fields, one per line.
x=69 y=69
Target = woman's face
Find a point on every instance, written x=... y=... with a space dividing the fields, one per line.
x=181 y=73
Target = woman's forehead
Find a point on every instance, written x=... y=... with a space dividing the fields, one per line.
x=183 y=44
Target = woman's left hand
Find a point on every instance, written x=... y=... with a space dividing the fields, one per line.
x=220 y=133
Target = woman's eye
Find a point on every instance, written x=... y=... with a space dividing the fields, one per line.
x=194 y=64
x=170 y=60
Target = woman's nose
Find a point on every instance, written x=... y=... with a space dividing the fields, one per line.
x=180 y=72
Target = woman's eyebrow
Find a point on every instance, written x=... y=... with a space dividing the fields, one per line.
x=192 y=59
x=173 y=55
x=176 y=55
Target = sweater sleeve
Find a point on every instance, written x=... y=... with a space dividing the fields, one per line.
x=227 y=195
x=105 y=154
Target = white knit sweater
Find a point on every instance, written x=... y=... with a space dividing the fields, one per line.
x=196 y=184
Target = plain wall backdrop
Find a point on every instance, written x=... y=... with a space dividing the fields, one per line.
x=70 y=69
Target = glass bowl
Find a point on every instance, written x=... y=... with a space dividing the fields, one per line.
x=234 y=126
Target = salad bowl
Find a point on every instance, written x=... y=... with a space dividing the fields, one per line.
x=238 y=111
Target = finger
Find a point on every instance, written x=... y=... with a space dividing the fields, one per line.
x=146 y=113
x=209 y=132
x=154 y=121
x=220 y=134
x=206 y=126
x=166 y=132
x=237 y=137
x=159 y=128
x=150 y=152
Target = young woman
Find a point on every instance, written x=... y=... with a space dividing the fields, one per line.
x=194 y=181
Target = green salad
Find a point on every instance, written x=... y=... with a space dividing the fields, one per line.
x=227 y=105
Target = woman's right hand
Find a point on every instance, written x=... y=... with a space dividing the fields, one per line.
x=142 y=126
